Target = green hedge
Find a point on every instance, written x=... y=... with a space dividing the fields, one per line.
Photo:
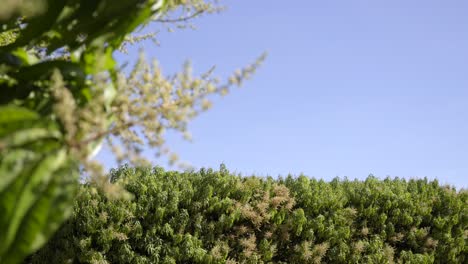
x=216 y=217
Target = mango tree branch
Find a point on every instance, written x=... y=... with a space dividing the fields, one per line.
x=180 y=19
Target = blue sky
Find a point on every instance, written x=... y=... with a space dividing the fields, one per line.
x=350 y=88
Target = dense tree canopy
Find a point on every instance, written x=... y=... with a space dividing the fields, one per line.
x=217 y=217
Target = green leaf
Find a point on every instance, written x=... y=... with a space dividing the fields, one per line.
x=12 y=164
x=13 y=113
x=23 y=202
x=45 y=216
x=12 y=117
x=22 y=137
x=38 y=25
x=25 y=57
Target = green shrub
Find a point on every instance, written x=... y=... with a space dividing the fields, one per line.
x=216 y=217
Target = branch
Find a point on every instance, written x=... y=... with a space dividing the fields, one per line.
x=181 y=19
x=100 y=135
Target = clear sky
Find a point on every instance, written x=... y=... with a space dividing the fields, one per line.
x=350 y=88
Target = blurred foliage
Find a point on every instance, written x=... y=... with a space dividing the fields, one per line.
x=217 y=217
x=62 y=94
x=37 y=184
